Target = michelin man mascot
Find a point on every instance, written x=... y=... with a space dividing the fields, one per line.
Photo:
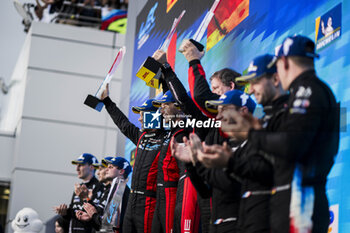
x=27 y=220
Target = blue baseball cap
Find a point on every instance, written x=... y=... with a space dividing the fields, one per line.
x=262 y=65
x=121 y=163
x=86 y=158
x=235 y=97
x=166 y=98
x=298 y=45
x=147 y=106
x=104 y=161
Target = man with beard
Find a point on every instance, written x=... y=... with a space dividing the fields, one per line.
x=142 y=199
x=168 y=168
x=225 y=201
x=308 y=135
x=255 y=168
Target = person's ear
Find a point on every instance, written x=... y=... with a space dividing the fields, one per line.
x=232 y=85
x=243 y=110
x=276 y=79
x=285 y=61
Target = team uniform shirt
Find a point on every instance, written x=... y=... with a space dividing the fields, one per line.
x=142 y=199
x=199 y=87
x=309 y=136
x=100 y=206
x=187 y=211
x=225 y=203
x=188 y=107
x=167 y=183
x=255 y=169
x=225 y=194
x=76 y=204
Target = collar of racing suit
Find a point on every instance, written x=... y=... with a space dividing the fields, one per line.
x=275 y=104
x=302 y=76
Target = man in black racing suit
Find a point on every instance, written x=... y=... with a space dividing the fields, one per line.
x=89 y=190
x=142 y=199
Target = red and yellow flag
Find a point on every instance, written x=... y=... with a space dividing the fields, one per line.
x=227 y=16
x=170 y=4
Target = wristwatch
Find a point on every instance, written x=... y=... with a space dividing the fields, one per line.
x=165 y=66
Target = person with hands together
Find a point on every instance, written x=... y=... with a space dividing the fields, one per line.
x=88 y=191
x=307 y=137
x=187 y=203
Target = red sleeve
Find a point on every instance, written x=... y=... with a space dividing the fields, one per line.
x=199 y=87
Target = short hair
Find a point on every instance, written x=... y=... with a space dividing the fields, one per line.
x=227 y=76
x=268 y=76
x=304 y=62
x=125 y=175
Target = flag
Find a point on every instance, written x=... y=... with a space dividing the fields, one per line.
x=228 y=15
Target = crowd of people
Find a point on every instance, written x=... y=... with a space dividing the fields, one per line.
x=243 y=174
x=76 y=12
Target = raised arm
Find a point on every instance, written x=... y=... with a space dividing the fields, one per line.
x=199 y=87
x=125 y=126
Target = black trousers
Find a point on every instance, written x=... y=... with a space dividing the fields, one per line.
x=139 y=214
x=225 y=227
x=163 y=219
x=254 y=214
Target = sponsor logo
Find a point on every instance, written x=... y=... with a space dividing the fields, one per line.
x=252 y=67
x=146 y=27
x=187 y=226
x=328 y=27
x=304 y=92
x=286 y=46
x=244 y=97
x=334 y=218
x=125 y=165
